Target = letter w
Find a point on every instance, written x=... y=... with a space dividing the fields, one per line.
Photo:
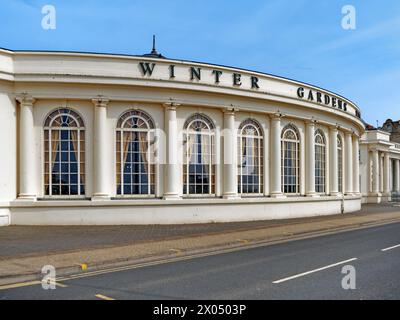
x=146 y=68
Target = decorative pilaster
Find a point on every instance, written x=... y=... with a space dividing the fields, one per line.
x=27 y=162
x=173 y=185
x=386 y=175
x=349 y=164
x=334 y=178
x=218 y=171
x=276 y=165
x=375 y=173
x=230 y=155
x=397 y=175
x=100 y=150
x=356 y=165
x=267 y=154
x=310 y=159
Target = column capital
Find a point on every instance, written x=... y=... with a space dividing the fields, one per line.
x=348 y=134
x=335 y=127
x=230 y=110
x=355 y=135
x=311 y=122
x=101 y=102
x=171 y=105
x=25 y=99
x=278 y=115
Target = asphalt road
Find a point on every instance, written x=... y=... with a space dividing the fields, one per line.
x=303 y=269
x=19 y=241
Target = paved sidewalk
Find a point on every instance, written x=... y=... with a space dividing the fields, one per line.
x=24 y=250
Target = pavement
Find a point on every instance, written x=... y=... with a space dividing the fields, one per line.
x=81 y=250
x=311 y=268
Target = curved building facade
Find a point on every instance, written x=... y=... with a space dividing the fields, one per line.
x=113 y=139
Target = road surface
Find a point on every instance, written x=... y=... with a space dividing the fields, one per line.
x=302 y=269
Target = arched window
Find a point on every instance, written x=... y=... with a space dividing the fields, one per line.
x=199 y=167
x=320 y=162
x=290 y=160
x=250 y=158
x=64 y=148
x=135 y=155
x=340 y=163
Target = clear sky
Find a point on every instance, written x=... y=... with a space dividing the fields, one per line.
x=299 y=39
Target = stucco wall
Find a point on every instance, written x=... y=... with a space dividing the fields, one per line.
x=200 y=211
x=8 y=150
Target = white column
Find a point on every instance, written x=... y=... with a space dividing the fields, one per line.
x=276 y=166
x=349 y=163
x=218 y=171
x=230 y=155
x=100 y=151
x=334 y=189
x=310 y=159
x=266 y=155
x=386 y=175
x=173 y=184
x=375 y=172
x=356 y=165
x=27 y=157
x=381 y=172
x=397 y=175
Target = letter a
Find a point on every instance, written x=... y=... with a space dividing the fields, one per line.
x=349 y=281
x=49 y=20
x=349 y=20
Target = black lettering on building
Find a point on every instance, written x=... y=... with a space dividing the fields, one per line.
x=195 y=73
x=254 y=83
x=237 y=79
x=217 y=74
x=172 y=71
x=147 y=68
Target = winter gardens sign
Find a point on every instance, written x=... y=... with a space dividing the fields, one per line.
x=238 y=80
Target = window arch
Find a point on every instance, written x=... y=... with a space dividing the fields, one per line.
x=320 y=162
x=135 y=155
x=250 y=158
x=340 y=163
x=290 y=160
x=64 y=148
x=199 y=164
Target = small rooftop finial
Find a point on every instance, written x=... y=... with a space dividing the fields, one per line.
x=154 y=43
x=154 y=53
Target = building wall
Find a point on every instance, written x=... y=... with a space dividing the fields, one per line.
x=77 y=81
x=380 y=181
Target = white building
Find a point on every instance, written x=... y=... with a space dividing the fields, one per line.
x=380 y=167
x=113 y=139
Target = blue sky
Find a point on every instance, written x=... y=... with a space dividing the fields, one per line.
x=299 y=39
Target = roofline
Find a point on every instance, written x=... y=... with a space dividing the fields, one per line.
x=116 y=55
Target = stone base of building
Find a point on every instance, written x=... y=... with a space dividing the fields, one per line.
x=376 y=198
x=148 y=212
x=4 y=217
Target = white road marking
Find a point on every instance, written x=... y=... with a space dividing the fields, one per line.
x=313 y=271
x=391 y=248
